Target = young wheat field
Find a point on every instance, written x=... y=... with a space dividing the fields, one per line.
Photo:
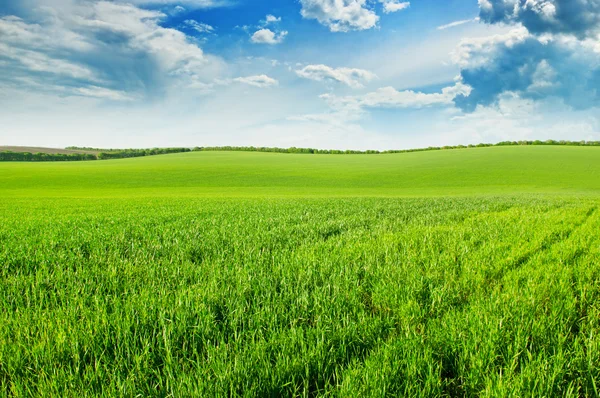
x=472 y=272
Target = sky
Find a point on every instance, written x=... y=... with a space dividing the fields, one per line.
x=338 y=74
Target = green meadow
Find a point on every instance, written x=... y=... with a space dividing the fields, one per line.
x=474 y=171
x=471 y=272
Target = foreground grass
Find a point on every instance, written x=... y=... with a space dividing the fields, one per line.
x=495 y=296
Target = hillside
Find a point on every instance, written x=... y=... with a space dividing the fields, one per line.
x=475 y=171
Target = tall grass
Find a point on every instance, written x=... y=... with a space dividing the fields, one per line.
x=494 y=296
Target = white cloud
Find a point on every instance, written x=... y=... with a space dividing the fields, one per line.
x=457 y=23
x=267 y=36
x=188 y=3
x=272 y=19
x=199 y=26
x=102 y=44
x=389 y=97
x=340 y=15
x=351 y=77
x=177 y=10
x=544 y=78
x=104 y=93
x=65 y=91
x=479 y=51
x=264 y=35
x=17 y=33
x=39 y=62
x=514 y=118
x=530 y=66
x=260 y=81
x=580 y=18
x=394 y=5
x=348 y=110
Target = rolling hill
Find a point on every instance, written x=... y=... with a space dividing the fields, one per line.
x=474 y=171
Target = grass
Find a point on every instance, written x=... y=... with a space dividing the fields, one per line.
x=248 y=274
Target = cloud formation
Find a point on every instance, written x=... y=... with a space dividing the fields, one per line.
x=103 y=93
x=530 y=67
x=351 y=77
x=260 y=81
x=340 y=15
x=267 y=36
x=394 y=5
x=389 y=97
x=347 y=112
x=199 y=26
x=457 y=23
x=272 y=19
x=188 y=3
x=577 y=17
x=101 y=46
x=548 y=55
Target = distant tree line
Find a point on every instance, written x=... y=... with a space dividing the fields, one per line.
x=9 y=156
x=550 y=142
x=281 y=150
x=103 y=154
x=136 y=153
x=367 y=152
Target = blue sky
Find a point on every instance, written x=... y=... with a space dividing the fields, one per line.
x=354 y=74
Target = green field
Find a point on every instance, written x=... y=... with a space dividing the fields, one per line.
x=472 y=272
x=479 y=171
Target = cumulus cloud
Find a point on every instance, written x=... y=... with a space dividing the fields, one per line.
x=530 y=67
x=272 y=19
x=577 y=17
x=340 y=15
x=267 y=36
x=101 y=49
x=553 y=54
x=394 y=5
x=476 y=52
x=351 y=77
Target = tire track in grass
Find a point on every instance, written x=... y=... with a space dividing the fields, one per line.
x=449 y=374
x=565 y=270
x=555 y=237
x=550 y=241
